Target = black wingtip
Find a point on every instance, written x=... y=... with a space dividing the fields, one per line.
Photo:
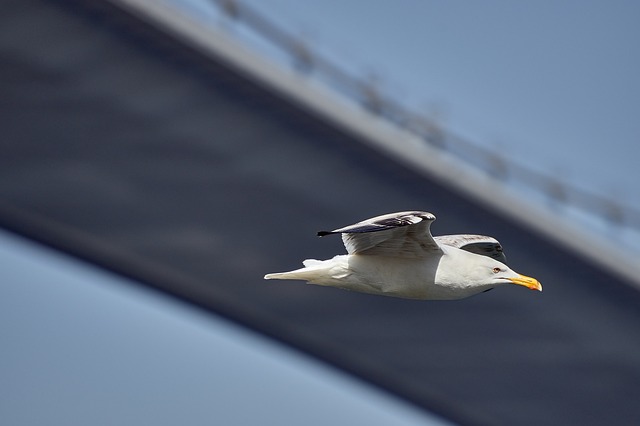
x=323 y=233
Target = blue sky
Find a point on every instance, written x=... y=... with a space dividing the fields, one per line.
x=552 y=85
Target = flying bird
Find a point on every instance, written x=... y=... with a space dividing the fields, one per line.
x=396 y=255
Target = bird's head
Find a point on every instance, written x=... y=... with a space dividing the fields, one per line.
x=502 y=274
x=478 y=273
x=493 y=273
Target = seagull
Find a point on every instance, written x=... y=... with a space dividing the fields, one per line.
x=396 y=255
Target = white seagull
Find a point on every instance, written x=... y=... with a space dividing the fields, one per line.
x=396 y=255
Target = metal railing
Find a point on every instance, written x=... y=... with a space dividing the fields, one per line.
x=367 y=93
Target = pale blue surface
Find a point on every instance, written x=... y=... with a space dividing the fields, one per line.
x=541 y=80
x=552 y=85
x=84 y=347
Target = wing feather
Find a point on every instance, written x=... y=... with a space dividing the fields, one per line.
x=478 y=244
x=403 y=234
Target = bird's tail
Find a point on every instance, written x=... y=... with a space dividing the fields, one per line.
x=312 y=271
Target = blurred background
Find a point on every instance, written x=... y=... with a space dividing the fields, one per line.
x=159 y=157
x=542 y=95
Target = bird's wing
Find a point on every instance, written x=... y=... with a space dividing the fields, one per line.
x=478 y=244
x=404 y=234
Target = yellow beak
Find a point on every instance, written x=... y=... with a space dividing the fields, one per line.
x=530 y=283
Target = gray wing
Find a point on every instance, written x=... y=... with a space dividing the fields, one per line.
x=403 y=234
x=478 y=244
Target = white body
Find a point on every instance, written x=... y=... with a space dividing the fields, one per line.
x=389 y=276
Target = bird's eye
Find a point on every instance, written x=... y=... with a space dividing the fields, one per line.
x=496 y=270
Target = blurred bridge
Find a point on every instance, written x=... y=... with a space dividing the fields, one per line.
x=367 y=92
